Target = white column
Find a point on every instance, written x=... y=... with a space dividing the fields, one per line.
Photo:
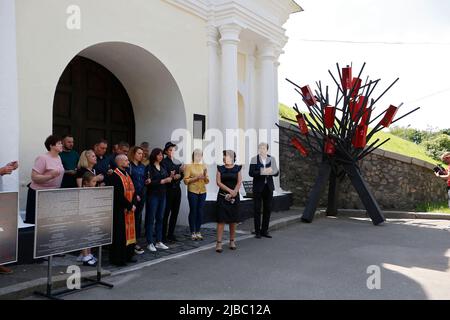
x=213 y=99
x=268 y=112
x=250 y=116
x=229 y=80
x=213 y=74
x=276 y=136
x=9 y=108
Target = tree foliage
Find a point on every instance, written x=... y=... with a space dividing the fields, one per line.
x=436 y=146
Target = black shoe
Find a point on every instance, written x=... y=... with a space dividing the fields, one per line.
x=258 y=236
x=172 y=238
x=138 y=250
x=132 y=260
x=266 y=235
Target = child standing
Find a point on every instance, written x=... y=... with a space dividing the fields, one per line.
x=88 y=181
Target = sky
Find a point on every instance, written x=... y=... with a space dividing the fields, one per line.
x=409 y=39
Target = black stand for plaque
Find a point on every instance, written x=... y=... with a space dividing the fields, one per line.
x=50 y=294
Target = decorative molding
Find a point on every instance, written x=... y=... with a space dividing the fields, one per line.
x=232 y=11
x=200 y=8
x=212 y=35
x=267 y=51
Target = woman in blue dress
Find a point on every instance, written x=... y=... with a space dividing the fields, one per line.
x=137 y=172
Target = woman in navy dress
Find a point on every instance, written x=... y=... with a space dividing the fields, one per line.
x=229 y=179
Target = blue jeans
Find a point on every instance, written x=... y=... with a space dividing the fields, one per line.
x=196 y=205
x=156 y=205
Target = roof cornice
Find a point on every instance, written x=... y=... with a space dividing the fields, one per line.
x=231 y=11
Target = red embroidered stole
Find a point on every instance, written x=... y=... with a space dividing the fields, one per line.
x=130 y=227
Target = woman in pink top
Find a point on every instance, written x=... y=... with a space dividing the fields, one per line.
x=47 y=173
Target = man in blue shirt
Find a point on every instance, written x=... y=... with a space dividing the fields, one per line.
x=100 y=149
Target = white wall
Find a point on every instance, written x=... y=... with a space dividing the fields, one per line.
x=157 y=32
x=9 y=115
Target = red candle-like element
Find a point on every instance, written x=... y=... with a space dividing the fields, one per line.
x=347 y=78
x=330 y=147
x=308 y=96
x=330 y=113
x=360 y=138
x=302 y=124
x=366 y=117
x=356 y=85
x=356 y=107
x=389 y=116
x=299 y=146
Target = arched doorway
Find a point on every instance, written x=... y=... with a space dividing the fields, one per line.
x=91 y=104
x=152 y=97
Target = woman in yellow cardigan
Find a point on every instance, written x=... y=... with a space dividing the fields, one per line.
x=196 y=178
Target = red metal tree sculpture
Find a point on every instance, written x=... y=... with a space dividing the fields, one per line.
x=341 y=135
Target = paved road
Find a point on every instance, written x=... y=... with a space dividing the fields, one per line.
x=324 y=260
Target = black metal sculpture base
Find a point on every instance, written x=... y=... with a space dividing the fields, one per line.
x=327 y=174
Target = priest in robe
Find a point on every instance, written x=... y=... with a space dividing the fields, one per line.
x=124 y=232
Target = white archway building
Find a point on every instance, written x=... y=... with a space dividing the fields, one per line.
x=175 y=58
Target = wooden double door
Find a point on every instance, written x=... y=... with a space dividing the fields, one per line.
x=91 y=104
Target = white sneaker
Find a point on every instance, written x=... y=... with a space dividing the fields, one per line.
x=162 y=246
x=199 y=236
x=151 y=247
x=82 y=258
x=194 y=237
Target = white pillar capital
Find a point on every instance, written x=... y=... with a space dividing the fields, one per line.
x=230 y=33
x=267 y=51
x=212 y=36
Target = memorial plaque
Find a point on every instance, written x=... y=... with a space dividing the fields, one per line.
x=8 y=227
x=248 y=187
x=72 y=219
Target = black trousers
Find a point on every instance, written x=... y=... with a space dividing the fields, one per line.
x=120 y=254
x=30 y=215
x=138 y=217
x=265 y=197
x=173 y=201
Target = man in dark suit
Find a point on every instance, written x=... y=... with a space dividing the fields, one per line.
x=263 y=168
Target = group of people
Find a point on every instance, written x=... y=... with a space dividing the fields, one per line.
x=152 y=180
